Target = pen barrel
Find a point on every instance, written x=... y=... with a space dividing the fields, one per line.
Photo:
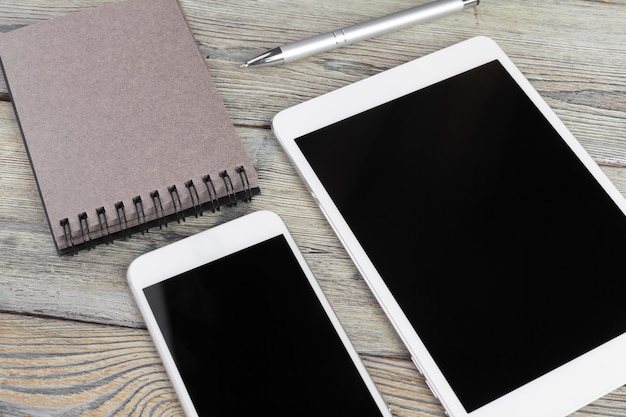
x=402 y=20
x=317 y=44
x=375 y=27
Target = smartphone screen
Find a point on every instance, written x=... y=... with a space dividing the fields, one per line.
x=249 y=336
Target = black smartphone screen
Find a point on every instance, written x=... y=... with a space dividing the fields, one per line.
x=503 y=251
x=249 y=337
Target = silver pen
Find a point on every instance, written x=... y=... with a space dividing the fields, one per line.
x=358 y=32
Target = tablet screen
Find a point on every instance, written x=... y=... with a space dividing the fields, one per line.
x=249 y=336
x=503 y=251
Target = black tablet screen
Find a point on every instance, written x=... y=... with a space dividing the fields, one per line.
x=504 y=252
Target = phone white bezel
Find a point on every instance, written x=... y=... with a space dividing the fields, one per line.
x=205 y=247
x=557 y=393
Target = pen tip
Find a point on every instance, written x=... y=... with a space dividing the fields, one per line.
x=244 y=65
x=273 y=57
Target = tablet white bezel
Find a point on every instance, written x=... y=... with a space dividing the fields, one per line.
x=556 y=394
x=210 y=245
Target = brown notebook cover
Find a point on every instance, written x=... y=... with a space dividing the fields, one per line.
x=115 y=105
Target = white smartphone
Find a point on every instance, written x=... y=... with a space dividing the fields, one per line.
x=243 y=327
x=489 y=236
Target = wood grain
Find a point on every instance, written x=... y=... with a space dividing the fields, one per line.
x=52 y=367
x=55 y=367
x=72 y=342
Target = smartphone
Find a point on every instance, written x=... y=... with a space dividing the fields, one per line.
x=243 y=328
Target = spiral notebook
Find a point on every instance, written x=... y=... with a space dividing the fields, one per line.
x=122 y=123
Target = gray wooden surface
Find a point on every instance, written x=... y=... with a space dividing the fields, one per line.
x=72 y=342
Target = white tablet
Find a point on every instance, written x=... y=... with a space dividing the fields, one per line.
x=244 y=329
x=490 y=237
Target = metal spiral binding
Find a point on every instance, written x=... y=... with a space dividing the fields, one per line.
x=82 y=219
x=156 y=202
x=141 y=216
x=210 y=187
x=195 y=198
x=244 y=181
x=67 y=232
x=230 y=190
x=142 y=223
x=101 y=213
x=178 y=206
x=121 y=217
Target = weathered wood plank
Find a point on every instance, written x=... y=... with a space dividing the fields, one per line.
x=573 y=53
x=54 y=367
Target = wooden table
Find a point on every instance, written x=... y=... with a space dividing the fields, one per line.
x=72 y=342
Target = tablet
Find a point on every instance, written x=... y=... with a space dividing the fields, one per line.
x=244 y=329
x=491 y=239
